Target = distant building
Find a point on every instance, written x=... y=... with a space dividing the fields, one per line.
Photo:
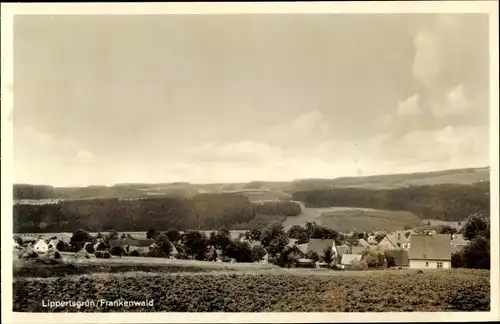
x=350 y=259
x=41 y=246
x=396 y=240
x=430 y=251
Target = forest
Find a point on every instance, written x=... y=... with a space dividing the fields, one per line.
x=449 y=202
x=203 y=211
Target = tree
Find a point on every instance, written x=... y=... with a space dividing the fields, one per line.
x=164 y=245
x=476 y=255
x=173 y=235
x=476 y=225
x=258 y=253
x=195 y=244
x=311 y=255
x=253 y=234
x=379 y=237
x=407 y=234
x=117 y=251
x=240 y=251
x=428 y=223
x=18 y=240
x=99 y=235
x=328 y=255
x=151 y=234
x=274 y=238
x=391 y=261
x=445 y=229
x=112 y=235
x=299 y=233
x=220 y=239
x=79 y=239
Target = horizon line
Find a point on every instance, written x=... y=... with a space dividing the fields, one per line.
x=250 y=181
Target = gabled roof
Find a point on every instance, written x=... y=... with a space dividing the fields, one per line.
x=398 y=237
x=316 y=245
x=430 y=247
x=363 y=242
x=400 y=256
x=358 y=249
x=341 y=249
x=350 y=258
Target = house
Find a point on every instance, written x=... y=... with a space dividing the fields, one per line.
x=41 y=246
x=341 y=250
x=318 y=246
x=395 y=240
x=400 y=257
x=305 y=263
x=430 y=251
x=358 y=249
x=363 y=243
x=349 y=259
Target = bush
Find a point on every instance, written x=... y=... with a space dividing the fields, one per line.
x=89 y=248
x=18 y=240
x=102 y=254
x=117 y=251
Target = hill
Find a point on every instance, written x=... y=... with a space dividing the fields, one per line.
x=255 y=190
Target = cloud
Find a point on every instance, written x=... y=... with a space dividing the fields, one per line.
x=410 y=106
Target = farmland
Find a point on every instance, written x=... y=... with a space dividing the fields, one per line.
x=361 y=220
x=278 y=290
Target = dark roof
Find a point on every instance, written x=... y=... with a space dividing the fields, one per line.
x=400 y=256
x=341 y=249
x=138 y=243
x=430 y=247
x=316 y=245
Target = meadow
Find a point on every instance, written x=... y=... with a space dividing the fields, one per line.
x=366 y=220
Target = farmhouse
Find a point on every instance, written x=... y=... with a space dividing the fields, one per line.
x=41 y=246
x=350 y=259
x=318 y=246
x=363 y=243
x=358 y=249
x=341 y=250
x=430 y=251
x=395 y=240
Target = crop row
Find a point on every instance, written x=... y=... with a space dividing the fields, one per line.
x=433 y=291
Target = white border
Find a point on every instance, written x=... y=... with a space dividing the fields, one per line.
x=11 y=9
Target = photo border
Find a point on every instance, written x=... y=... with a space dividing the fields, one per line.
x=9 y=10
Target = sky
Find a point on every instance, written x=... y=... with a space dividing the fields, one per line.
x=100 y=100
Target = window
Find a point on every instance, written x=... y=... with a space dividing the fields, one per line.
x=440 y=265
x=427 y=264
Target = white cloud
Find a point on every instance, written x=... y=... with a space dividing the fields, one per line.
x=410 y=106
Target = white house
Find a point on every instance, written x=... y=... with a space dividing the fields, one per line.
x=41 y=246
x=430 y=251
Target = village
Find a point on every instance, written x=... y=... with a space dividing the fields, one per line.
x=411 y=248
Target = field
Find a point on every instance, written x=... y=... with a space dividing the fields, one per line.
x=361 y=220
x=278 y=290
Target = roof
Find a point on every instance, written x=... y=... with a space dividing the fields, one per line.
x=316 y=245
x=358 y=249
x=341 y=249
x=363 y=242
x=398 y=237
x=430 y=247
x=350 y=258
x=400 y=256
x=138 y=243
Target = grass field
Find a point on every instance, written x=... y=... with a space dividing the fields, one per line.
x=361 y=220
x=274 y=291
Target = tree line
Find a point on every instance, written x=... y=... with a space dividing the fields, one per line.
x=203 y=211
x=444 y=202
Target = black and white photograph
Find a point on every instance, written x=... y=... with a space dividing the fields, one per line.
x=246 y=162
